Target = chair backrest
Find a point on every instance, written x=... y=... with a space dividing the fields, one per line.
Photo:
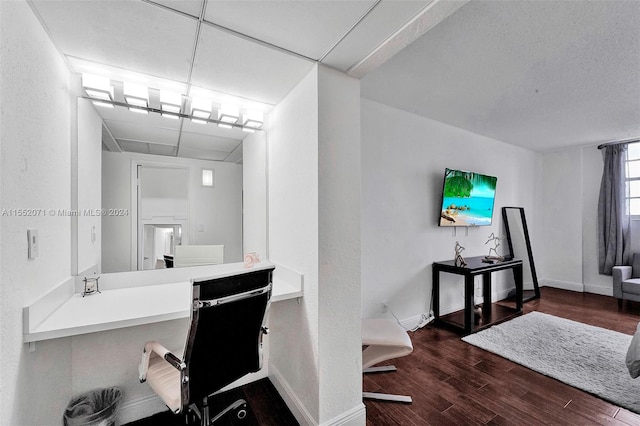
x=197 y=255
x=225 y=337
x=635 y=266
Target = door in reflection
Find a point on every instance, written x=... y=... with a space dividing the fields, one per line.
x=159 y=243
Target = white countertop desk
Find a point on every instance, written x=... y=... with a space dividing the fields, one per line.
x=123 y=306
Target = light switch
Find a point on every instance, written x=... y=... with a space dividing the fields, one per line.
x=32 y=236
x=201 y=227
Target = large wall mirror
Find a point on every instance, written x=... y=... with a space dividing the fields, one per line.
x=168 y=208
x=156 y=207
x=520 y=248
x=204 y=205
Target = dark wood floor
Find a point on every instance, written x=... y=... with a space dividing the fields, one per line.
x=266 y=408
x=454 y=383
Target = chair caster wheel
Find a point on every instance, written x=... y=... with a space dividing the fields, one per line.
x=241 y=412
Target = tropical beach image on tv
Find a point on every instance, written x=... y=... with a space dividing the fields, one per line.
x=467 y=198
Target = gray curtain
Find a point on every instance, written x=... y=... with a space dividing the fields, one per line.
x=614 y=245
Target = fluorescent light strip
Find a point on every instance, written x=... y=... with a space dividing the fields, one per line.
x=197 y=115
x=105 y=95
x=200 y=113
x=103 y=104
x=253 y=123
x=226 y=118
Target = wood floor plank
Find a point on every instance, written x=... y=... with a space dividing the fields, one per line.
x=452 y=382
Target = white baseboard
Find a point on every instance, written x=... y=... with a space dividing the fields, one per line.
x=357 y=416
x=353 y=417
x=412 y=322
x=564 y=285
x=292 y=401
x=148 y=405
x=139 y=408
x=598 y=289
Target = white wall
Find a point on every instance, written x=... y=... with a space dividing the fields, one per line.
x=35 y=105
x=254 y=194
x=340 y=344
x=116 y=244
x=292 y=140
x=111 y=358
x=314 y=228
x=403 y=162
x=89 y=188
x=571 y=191
x=218 y=209
x=561 y=261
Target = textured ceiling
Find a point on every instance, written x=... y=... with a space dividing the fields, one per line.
x=539 y=74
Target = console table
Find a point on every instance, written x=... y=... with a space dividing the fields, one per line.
x=491 y=313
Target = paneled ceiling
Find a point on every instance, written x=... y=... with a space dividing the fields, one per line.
x=249 y=52
x=539 y=74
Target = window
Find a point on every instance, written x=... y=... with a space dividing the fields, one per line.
x=633 y=180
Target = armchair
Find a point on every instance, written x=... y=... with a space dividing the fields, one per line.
x=626 y=281
x=224 y=343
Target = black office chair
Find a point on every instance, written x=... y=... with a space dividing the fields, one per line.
x=224 y=344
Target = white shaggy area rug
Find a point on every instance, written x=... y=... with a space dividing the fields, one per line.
x=586 y=357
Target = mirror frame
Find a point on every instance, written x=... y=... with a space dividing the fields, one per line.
x=527 y=294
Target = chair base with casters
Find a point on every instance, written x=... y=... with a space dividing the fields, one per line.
x=224 y=343
x=383 y=340
x=164 y=378
x=626 y=281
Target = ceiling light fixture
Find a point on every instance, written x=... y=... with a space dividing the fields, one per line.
x=228 y=114
x=253 y=120
x=98 y=88
x=171 y=104
x=136 y=95
x=200 y=111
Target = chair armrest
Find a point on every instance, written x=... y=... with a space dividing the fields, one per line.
x=161 y=351
x=620 y=273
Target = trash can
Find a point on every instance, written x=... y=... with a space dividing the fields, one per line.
x=95 y=408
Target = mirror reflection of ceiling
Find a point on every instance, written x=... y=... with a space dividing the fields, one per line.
x=247 y=52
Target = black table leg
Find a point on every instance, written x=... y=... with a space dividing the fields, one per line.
x=468 y=303
x=436 y=292
x=517 y=275
x=486 y=294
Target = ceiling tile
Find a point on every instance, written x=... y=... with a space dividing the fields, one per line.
x=123 y=115
x=380 y=24
x=129 y=146
x=309 y=28
x=157 y=149
x=237 y=66
x=138 y=133
x=191 y=7
x=127 y=34
x=195 y=140
x=212 y=129
x=200 y=154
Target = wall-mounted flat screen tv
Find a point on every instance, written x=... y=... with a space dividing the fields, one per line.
x=467 y=198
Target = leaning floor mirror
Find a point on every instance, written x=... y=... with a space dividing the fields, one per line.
x=520 y=248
